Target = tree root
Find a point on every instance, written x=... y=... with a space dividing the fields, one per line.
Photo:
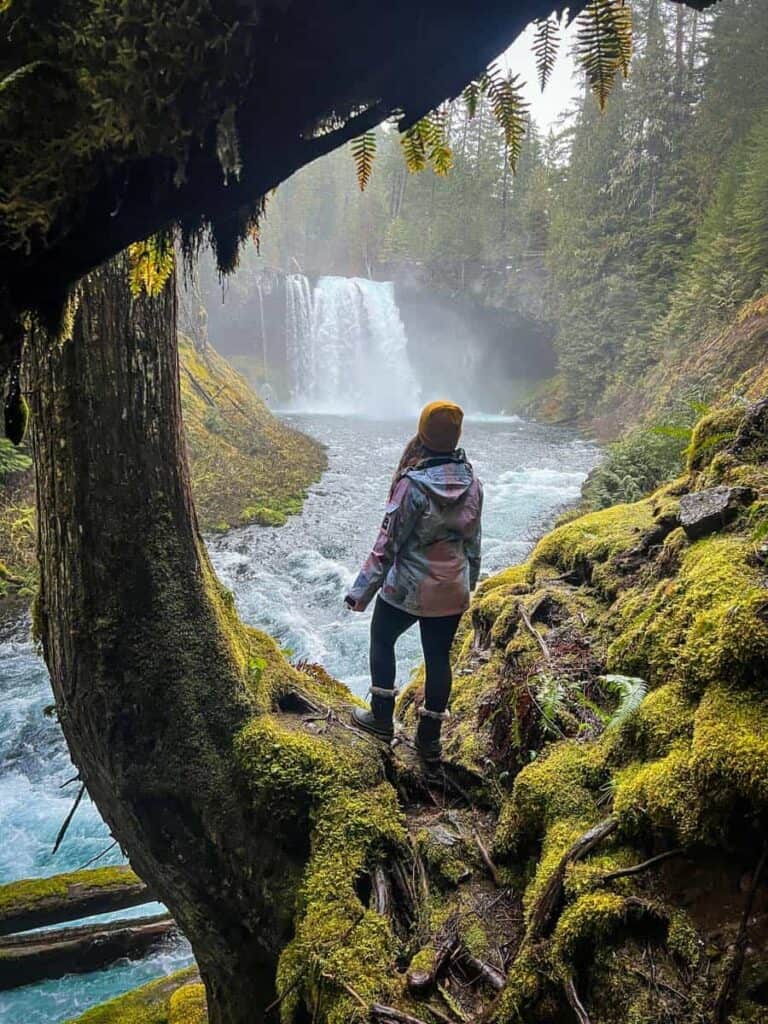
x=381 y=1014
x=637 y=869
x=420 y=982
x=492 y=975
x=727 y=993
x=546 y=910
x=574 y=1002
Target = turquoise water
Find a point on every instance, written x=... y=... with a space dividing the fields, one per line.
x=290 y=582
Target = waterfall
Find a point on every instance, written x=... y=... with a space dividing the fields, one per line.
x=346 y=348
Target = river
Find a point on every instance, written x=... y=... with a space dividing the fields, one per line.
x=291 y=582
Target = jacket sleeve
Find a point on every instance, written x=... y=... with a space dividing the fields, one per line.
x=401 y=514
x=472 y=546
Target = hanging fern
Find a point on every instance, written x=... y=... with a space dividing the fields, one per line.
x=604 y=44
x=414 y=150
x=471 y=97
x=363 y=153
x=150 y=264
x=505 y=93
x=546 y=42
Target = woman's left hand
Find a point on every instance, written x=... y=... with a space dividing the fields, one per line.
x=353 y=605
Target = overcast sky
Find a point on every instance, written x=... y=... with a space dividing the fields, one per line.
x=546 y=107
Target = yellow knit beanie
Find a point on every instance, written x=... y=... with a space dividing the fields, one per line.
x=440 y=426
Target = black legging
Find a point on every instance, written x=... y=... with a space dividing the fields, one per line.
x=387 y=624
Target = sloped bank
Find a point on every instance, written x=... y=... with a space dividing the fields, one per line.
x=246 y=466
x=594 y=846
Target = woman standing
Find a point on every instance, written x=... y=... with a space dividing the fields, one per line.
x=425 y=562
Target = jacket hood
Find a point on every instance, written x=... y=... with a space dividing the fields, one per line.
x=447 y=479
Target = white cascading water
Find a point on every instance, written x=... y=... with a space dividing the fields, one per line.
x=347 y=351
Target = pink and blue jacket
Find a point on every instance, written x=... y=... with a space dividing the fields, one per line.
x=426 y=558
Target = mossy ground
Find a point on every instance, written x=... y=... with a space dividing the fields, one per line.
x=617 y=677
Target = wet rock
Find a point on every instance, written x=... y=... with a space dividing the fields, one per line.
x=703 y=512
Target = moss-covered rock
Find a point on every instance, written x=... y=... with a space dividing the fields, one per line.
x=246 y=465
x=153 y=1003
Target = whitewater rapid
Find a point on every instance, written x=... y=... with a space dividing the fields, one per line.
x=291 y=582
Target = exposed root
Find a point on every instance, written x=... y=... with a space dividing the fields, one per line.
x=574 y=1002
x=637 y=869
x=546 y=910
x=727 y=993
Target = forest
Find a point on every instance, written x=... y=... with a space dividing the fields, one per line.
x=246 y=249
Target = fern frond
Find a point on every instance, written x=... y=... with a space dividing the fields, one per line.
x=505 y=93
x=631 y=692
x=413 y=149
x=363 y=153
x=471 y=97
x=439 y=152
x=604 y=44
x=623 y=16
x=546 y=42
x=150 y=264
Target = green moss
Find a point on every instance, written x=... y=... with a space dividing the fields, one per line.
x=447 y=861
x=188 y=1005
x=660 y=793
x=338 y=942
x=664 y=717
x=561 y=784
x=730 y=747
x=246 y=466
x=711 y=434
x=706 y=623
x=150 y=1004
x=589 y=545
x=584 y=924
x=18 y=897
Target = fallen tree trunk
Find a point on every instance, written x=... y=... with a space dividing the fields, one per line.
x=39 y=902
x=52 y=954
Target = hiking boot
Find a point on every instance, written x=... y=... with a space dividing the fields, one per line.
x=378 y=721
x=428 y=734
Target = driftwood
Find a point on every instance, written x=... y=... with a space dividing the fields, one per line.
x=730 y=983
x=84 y=897
x=545 y=912
x=52 y=954
x=382 y=891
x=534 y=632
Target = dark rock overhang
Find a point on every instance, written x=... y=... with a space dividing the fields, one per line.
x=313 y=60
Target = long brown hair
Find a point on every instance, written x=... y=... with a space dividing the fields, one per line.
x=413 y=453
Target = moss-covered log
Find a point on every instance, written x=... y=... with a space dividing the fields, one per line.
x=38 y=902
x=25 y=959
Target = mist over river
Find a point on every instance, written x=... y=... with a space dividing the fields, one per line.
x=290 y=582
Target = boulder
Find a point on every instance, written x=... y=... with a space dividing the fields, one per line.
x=704 y=512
